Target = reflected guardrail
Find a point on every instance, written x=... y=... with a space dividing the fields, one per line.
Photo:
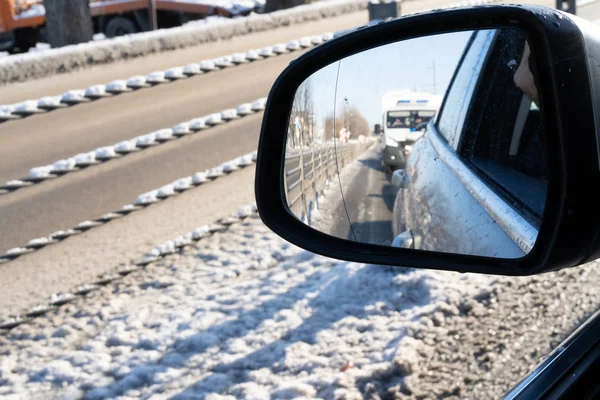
x=307 y=172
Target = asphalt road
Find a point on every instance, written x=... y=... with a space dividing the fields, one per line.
x=68 y=200
x=590 y=11
x=42 y=139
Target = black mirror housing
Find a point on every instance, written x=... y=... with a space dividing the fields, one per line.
x=566 y=46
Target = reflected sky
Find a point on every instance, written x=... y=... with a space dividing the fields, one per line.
x=422 y=64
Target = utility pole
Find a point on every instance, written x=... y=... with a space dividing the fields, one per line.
x=434 y=83
x=346 y=112
x=68 y=22
x=152 y=15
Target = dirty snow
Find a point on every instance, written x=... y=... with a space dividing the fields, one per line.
x=243 y=314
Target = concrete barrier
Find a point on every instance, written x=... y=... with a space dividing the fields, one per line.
x=56 y=61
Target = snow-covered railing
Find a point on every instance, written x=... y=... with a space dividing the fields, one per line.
x=107 y=153
x=155 y=254
x=143 y=200
x=96 y=92
x=307 y=172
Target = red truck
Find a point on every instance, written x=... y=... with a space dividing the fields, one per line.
x=22 y=21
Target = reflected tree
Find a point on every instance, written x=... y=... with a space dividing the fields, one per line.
x=302 y=124
x=351 y=119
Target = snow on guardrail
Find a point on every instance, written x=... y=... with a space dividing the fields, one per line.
x=107 y=153
x=143 y=200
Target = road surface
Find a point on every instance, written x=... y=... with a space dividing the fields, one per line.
x=358 y=205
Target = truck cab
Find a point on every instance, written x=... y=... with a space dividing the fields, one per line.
x=405 y=115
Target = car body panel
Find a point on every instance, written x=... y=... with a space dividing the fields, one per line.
x=446 y=205
x=441 y=213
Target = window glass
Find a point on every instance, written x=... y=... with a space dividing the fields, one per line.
x=457 y=102
x=503 y=137
x=408 y=119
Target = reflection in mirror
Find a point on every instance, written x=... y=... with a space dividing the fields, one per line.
x=434 y=143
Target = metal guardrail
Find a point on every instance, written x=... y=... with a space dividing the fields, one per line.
x=307 y=172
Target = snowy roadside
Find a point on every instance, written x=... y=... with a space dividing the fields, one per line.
x=245 y=314
x=242 y=313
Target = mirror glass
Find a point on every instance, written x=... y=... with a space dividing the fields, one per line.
x=434 y=143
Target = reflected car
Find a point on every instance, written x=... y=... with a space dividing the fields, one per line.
x=476 y=182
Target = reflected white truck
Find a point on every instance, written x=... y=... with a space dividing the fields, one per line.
x=405 y=114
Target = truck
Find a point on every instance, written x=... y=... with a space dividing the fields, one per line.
x=405 y=115
x=22 y=21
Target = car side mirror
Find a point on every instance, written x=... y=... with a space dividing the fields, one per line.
x=491 y=186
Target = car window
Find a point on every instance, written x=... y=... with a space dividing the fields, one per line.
x=408 y=119
x=457 y=102
x=503 y=135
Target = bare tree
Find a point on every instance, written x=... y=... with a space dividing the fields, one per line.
x=68 y=22
x=357 y=124
x=351 y=119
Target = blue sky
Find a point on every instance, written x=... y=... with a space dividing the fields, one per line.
x=364 y=77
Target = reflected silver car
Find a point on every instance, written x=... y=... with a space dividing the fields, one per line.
x=475 y=183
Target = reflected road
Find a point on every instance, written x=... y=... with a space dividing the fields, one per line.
x=368 y=200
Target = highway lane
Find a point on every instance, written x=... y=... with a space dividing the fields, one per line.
x=66 y=201
x=43 y=139
x=369 y=199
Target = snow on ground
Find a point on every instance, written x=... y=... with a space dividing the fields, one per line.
x=242 y=314
x=35 y=10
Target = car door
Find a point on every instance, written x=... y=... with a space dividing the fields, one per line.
x=467 y=191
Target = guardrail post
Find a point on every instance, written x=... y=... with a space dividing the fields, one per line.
x=285 y=185
x=314 y=175
x=302 y=184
